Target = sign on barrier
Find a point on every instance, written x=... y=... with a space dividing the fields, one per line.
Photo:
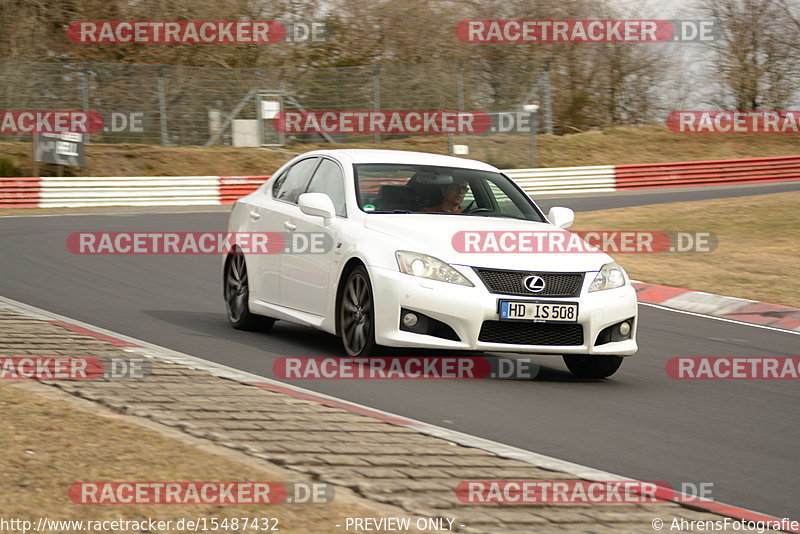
x=60 y=148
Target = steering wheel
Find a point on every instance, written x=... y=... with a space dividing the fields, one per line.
x=478 y=210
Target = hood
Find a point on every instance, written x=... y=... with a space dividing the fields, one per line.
x=476 y=241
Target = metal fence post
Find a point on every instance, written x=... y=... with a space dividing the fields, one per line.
x=162 y=108
x=548 y=99
x=460 y=85
x=459 y=100
x=85 y=87
x=257 y=78
x=376 y=96
x=534 y=148
x=85 y=106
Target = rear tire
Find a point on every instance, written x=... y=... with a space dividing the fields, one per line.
x=236 y=290
x=357 y=315
x=592 y=366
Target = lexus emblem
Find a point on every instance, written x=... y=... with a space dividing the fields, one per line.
x=534 y=284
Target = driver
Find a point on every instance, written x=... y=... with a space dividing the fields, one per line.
x=452 y=197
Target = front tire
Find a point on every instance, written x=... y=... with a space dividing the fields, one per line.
x=236 y=290
x=592 y=366
x=357 y=315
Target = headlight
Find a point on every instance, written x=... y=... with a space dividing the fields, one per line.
x=429 y=267
x=611 y=275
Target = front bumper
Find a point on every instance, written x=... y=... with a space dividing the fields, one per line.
x=465 y=309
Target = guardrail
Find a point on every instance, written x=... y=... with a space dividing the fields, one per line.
x=597 y=179
x=53 y=192
x=208 y=190
x=698 y=173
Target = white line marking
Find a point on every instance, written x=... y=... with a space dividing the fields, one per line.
x=725 y=319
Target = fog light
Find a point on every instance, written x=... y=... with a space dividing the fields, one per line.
x=410 y=320
x=625 y=329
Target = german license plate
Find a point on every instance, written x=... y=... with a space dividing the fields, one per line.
x=539 y=312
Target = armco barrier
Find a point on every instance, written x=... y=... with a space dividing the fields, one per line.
x=698 y=173
x=73 y=192
x=232 y=188
x=19 y=192
x=207 y=190
x=598 y=179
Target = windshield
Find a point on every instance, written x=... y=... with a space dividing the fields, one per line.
x=395 y=188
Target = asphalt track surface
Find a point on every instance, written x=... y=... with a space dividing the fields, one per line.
x=740 y=435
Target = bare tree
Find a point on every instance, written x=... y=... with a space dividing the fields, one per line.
x=752 y=64
x=406 y=50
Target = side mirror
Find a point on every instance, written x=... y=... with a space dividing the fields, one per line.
x=561 y=217
x=318 y=204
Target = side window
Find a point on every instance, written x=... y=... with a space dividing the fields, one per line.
x=469 y=199
x=505 y=205
x=329 y=180
x=290 y=184
x=276 y=185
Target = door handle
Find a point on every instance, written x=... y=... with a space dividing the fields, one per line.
x=290 y=226
x=255 y=215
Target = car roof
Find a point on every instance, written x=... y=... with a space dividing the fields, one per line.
x=363 y=155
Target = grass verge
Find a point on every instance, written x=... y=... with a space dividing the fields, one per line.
x=50 y=441
x=610 y=146
x=757 y=256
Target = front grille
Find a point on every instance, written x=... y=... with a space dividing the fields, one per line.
x=510 y=283
x=514 y=333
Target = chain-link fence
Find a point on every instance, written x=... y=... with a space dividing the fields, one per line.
x=173 y=105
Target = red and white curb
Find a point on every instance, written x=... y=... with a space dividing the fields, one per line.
x=150 y=350
x=95 y=191
x=775 y=316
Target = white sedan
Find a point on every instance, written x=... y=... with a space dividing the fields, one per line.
x=405 y=255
